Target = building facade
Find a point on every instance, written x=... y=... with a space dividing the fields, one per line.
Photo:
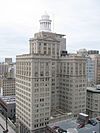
x=3 y=69
x=93 y=101
x=7 y=68
x=8 y=60
x=7 y=86
x=97 y=69
x=10 y=103
x=72 y=84
x=48 y=79
x=90 y=67
x=7 y=77
x=95 y=56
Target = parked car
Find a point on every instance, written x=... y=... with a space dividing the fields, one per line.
x=98 y=118
x=60 y=130
x=56 y=127
x=92 y=122
x=94 y=131
x=81 y=125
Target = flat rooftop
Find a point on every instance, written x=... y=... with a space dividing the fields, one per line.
x=8 y=99
x=72 y=126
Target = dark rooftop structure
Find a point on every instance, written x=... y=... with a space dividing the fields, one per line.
x=93 y=52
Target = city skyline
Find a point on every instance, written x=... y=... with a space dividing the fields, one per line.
x=79 y=21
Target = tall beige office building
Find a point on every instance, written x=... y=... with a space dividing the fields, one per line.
x=46 y=80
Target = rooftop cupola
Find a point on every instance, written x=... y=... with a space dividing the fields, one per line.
x=45 y=23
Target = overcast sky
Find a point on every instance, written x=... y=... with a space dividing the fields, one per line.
x=79 y=20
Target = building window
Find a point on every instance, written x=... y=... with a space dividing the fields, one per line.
x=45 y=44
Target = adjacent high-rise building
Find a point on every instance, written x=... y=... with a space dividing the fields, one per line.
x=7 y=77
x=3 y=69
x=72 y=84
x=95 y=56
x=90 y=65
x=7 y=68
x=48 y=79
x=10 y=103
x=97 y=69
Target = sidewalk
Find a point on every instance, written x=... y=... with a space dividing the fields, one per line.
x=3 y=125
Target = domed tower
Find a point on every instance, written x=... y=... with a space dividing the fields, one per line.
x=45 y=23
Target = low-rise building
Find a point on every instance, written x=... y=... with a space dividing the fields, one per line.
x=93 y=101
x=10 y=103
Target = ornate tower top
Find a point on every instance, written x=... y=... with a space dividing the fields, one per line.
x=45 y=23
